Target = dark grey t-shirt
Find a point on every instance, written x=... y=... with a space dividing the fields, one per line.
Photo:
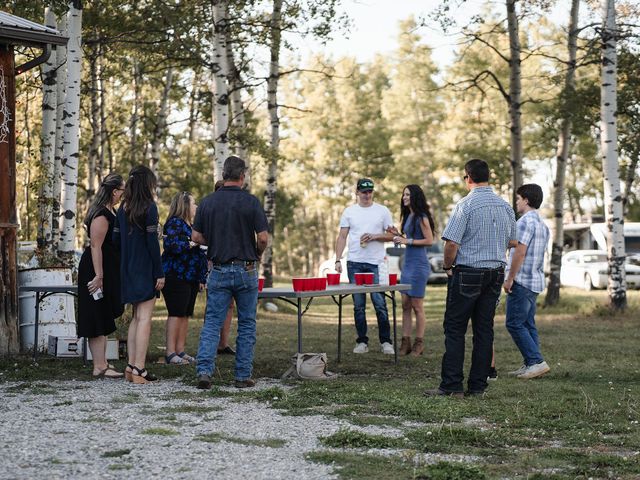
x=229 y=220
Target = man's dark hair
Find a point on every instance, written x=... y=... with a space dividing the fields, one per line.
x=532 y=193
x=478 y=170
x=233 y=168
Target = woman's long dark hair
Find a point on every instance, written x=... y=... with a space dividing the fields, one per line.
x=418 y=203
x=138 y=195
x=103 y=197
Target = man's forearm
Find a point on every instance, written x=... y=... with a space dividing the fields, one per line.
x=450 y=252
x=517 y=260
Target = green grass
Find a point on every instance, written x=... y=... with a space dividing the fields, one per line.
x=581 y=420
x=159 y=431
x=221 y=437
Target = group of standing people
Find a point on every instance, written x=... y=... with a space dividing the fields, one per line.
x=480 y=231
x=123 y=265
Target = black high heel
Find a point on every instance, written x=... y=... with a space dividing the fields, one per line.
x=141 y=376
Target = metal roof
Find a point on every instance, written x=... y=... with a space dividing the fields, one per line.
x=19 y=31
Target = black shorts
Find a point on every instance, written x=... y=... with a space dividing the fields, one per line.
x=180 y=296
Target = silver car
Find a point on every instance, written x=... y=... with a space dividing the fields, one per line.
x=588 y=269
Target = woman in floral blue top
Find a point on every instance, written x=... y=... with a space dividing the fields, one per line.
x=185 y=269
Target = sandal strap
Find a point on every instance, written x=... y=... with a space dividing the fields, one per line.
x=168 y=358
x=141 y=371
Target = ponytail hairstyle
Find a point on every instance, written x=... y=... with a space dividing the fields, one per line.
x=103 y=197
x=138 y=195
x=418 y=203
x=181 y=207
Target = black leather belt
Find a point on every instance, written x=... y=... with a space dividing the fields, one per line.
x=246 y=264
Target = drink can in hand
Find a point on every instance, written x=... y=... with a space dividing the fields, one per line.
x=97 y=295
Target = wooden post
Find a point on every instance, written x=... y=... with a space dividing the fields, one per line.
x=9 y=340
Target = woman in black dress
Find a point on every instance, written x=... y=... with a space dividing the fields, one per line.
x=99 y=276
x=141 y=275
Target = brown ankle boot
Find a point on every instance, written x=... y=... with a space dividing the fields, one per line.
x=405 y=346
x=418 y=347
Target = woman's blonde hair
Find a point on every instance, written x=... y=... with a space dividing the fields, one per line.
x=181 y=207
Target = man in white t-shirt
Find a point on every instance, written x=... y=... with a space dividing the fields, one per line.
x=365 y=224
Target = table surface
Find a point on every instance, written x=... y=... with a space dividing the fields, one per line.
x=342 y=289
x=49 y=288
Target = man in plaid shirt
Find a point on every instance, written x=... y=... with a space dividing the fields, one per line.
x=525 y=280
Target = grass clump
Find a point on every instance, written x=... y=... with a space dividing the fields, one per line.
x=219 y=437
x=159 y=431
x=355 y=439
x=116 y=453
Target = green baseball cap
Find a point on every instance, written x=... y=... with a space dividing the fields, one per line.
x=365 y=185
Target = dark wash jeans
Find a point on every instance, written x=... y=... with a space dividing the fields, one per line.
x=360 y=304
x=471 y=293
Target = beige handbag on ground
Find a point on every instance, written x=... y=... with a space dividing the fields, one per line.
x=309 y=366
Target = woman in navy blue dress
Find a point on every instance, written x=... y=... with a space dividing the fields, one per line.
x=417 y=234
x=185 y=270
x=142 y=278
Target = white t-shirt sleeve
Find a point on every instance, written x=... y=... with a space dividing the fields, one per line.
x=387 y=220
x=344 y=219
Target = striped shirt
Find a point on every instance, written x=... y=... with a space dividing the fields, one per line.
x=532 y=232
x=482 y=225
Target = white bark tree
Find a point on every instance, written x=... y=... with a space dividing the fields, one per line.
x=515 y=91
x=274 y=151
x=238 y=119
x=617 y=287
x=71 y=117
x=220 y=71
x=48 y=144
x=562 y=155
x=61 y=87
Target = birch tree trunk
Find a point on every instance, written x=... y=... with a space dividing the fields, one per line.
x=238 y=120
x=515 y=90
x=159 y=132
x=562 y=155
x=48 y=144
x=71 y=133
x=96 y=134
x=274 y=120
x=193 y=113
x=221 y=88
x=617 y=287
x=61 y=89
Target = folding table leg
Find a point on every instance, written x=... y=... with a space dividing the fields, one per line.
x=395 y=343
x=339 y=326
x=299 y=325
x=35 y=327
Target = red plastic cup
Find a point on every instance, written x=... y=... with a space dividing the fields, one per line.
x=308 y=285
x=298 y=284
x=333 y=279
x=360 y=278
x=368 y=279
x=321 y=283
x=393 y=279
x=260 y=284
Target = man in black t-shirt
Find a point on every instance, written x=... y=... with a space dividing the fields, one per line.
x=233 y=225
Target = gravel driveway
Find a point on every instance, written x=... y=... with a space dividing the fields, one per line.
x=113 y=429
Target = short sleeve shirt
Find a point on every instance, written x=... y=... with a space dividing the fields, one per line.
x=360 y=220
x=229 y=219
x=482 y=224
x=532 y=232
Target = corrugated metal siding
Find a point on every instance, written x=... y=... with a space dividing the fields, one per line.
x=9 y=20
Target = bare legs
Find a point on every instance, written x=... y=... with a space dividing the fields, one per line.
x=413 y=305
x=139 y=330
x=226 y=329
x=98 y=347
x=177 y=328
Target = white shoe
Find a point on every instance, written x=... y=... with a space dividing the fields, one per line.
x=361 y=348
x=534 y=371
x=519 y=371
x=387 y=348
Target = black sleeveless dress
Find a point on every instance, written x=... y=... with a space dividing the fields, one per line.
x=97 y=317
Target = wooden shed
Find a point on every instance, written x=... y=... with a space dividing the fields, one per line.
x=14 y=31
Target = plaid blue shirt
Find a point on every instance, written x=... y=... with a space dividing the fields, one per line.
x=482 y=225
x=532 y=232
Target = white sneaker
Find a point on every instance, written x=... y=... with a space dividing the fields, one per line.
x=387 y=348
x=361 y=348
x=534 y=371
x=517 y=372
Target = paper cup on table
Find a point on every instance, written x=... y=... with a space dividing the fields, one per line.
x=393 y=279
x=333 y=279
x=298 y=284
x=260 y=284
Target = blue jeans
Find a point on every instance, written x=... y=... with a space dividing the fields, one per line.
x=360 y=304
x=521 y=323
x=226 y=282
x=471 y=293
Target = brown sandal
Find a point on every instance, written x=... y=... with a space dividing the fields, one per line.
x=418 y=347
x=109 y=373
